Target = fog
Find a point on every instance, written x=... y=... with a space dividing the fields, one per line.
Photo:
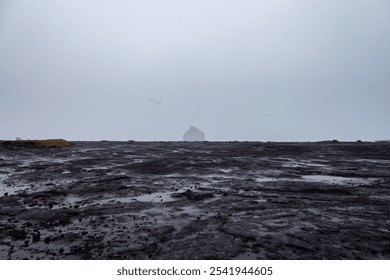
x=275 y=70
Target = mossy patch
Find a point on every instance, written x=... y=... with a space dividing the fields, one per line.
x=49 y=143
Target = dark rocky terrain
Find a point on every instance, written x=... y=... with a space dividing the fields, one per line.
x=203 y=200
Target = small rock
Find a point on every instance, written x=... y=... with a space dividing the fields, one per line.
x=36 y=236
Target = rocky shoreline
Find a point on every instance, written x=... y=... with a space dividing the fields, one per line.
x=204 y=200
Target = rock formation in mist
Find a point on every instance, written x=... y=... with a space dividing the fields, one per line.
x=193 y=134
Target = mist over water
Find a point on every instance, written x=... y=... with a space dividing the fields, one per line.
x=148 y=70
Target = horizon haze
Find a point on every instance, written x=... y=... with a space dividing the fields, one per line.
x=305 y=70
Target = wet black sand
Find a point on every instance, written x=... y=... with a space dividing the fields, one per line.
x=177 y=200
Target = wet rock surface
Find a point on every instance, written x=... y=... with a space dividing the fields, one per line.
x=177 y=200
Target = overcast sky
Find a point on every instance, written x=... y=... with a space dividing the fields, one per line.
x=238 y=70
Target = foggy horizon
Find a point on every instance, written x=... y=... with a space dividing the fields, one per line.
x=237 y=70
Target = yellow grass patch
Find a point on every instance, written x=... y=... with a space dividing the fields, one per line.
x=49 y=143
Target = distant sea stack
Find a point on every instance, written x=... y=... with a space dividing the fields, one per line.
x=193 y=134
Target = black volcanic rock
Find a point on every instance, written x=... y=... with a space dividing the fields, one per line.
x=196 y=200
x=193 y=134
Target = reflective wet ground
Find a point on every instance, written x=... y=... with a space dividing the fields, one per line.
x=206 y=200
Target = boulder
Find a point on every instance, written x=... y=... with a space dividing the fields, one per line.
x=193 y=134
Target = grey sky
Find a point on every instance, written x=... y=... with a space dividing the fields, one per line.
x=238 y=70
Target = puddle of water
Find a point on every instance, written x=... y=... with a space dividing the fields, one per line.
x=10 y=190
x=336 y=179
x=156 y=197
x=190 y=210
x=226 y=170
x=382 y=161
x=3 y=188
x=264 y=179
x=220 y=176
x=294 y=164
x=311 y=164
x=95 y=168
x=299 y=163
x=71 y=200
x=160 y=197
x=25 y=162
